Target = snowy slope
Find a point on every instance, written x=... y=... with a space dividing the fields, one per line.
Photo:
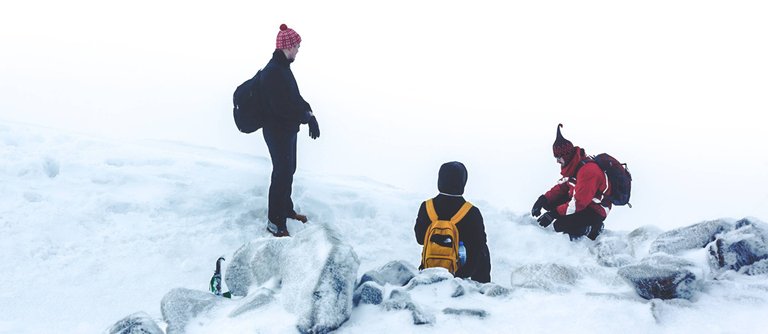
x=94 y=230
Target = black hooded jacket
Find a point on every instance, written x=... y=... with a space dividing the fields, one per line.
x=286 y=108
x=451 y=184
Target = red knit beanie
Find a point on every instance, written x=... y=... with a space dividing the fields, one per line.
x=287 y=38
x=562 y=147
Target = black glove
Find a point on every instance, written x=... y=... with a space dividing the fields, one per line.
x=314 y=129
x=546 y=219
x=540 y=203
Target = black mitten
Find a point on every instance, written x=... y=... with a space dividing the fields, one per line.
x=540 y=203
x=314 y=129
x=546 y=219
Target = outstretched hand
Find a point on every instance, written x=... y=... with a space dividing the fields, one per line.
x=540 y=203
x=314 y=129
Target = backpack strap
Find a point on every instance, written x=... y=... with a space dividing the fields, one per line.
x=431 y=210
x=461 y=213
x=456 y=218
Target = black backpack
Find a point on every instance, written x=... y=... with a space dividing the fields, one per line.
x=249 y=105
x=618 y=176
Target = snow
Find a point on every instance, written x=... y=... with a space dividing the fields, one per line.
x=95 y=230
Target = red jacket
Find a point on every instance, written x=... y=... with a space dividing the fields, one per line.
x=582 y=186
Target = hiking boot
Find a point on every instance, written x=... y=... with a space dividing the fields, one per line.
x=277 y=231
x=595 y=231
x=300 y=217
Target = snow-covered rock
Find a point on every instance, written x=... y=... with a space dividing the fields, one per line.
x=739 y=249
x=315 y=271
x=397 y=273
x=401 y=300
x=137 y=323
x=179 y=306
x=429 y=276
x=466 y=312
x=254 y=264
x=661 y=276
x=255 y=300
x=495 y=290
x=368 y=293
x=689 y=237
x=548 y=276
x=612 y=250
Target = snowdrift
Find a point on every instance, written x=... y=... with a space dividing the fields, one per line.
x=112 y=237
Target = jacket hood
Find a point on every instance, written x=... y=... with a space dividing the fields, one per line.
x=452 y=178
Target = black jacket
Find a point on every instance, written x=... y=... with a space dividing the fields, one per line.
x=471 y=231
x=286 y=108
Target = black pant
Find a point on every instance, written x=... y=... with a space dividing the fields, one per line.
x=578 y=224
x=282 y=150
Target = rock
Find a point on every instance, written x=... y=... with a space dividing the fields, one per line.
x=254 y=301
x=331 y=297
x=179 y=306
x=742 y=247
x=398 y=300
x=661 y=277
x=495 y=290
x=612 y=251
x=254 y=264
x=397 y=273
x=689 y=237
x=466 y=312
x=458 y=291
x=137 y=323
x=420 y=317
x=550 y=277
x=313 y=272
x=401 y=300
x=429 y=276
x=368 y=293
x=757 y=268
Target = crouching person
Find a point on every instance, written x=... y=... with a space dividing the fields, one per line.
x=447 y=225
x=577 y=203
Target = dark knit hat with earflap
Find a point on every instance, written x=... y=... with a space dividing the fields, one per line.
x=562 y=147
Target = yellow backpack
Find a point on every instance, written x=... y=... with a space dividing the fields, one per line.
x=441 y=242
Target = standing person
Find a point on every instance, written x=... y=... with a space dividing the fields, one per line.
x=578 y=204
x=449 y=203
x=286 y=110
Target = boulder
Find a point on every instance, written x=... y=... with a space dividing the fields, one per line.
x=689 y=237
x=612 y=251
x=179 y=306
x=368 y=293
x=397 y=273
x=757 y=268
x=548 y=276
x=255 y=300
x=740 y=248
x=429 y=276
x=254 y=264
x=662 y=277
x=312 y=274
x=137 y=323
